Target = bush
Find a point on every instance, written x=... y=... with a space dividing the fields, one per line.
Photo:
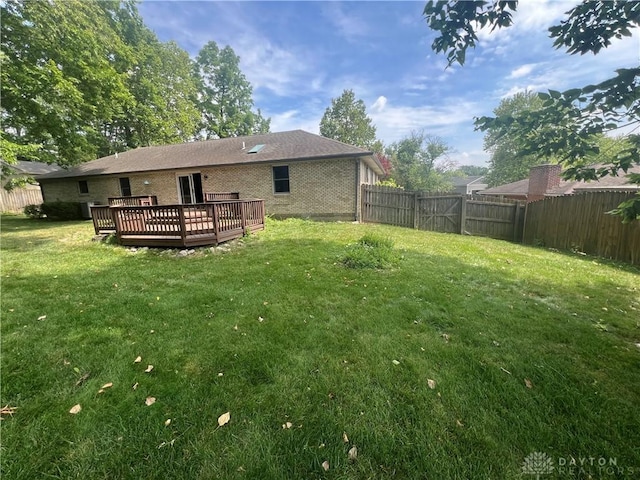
x=62 y=210
x=33 y=211
x=371 y=251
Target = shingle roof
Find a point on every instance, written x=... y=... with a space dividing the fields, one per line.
x=281 y=146
x=521 y=187
x=33 y=168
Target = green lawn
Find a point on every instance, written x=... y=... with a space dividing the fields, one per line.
x=530 y=351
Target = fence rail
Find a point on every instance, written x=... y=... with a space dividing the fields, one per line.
x=452 y=213
x=580 y=222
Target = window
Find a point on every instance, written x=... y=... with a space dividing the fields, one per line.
x=281 y=179
x=83 y=187
x=125 y=187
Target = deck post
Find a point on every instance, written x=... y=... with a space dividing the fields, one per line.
x=216 y=219
x=243 y=215
x=183 y=224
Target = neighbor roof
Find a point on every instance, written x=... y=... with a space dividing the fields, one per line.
x=464 y=181
x=566 y=187
x=281 y=146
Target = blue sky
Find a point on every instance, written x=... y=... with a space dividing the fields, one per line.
x=299 y=55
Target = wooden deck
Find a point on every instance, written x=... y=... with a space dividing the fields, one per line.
x=179 y=225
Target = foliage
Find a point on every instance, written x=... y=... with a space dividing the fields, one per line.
x=225 y=95
x=421 y=162
x=61 y=211
x=564 y=127
x=508 y=163
x=346 y=120
x=33 y=211
x=371 y=251
x=473 y=170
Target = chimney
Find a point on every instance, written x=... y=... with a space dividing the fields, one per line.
x=542 y=178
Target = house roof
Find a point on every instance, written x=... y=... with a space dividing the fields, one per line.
x=521 y=187
x=281 y=146
x=566 y=187
x=32 y=168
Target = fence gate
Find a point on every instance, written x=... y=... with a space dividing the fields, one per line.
x=447 y=213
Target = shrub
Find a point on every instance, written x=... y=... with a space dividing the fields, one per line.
x=33 y=211
x=371 y=251
x=62 y=210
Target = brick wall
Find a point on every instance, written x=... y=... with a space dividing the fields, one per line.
x=542 y=178
x=319 y=189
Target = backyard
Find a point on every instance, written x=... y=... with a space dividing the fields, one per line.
x=269 y=358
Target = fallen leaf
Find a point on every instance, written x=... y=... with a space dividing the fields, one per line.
x=75 y=409
x=220 y=374
x=167 y=422
x=431 y=383
x=353 y=453
x=497 y=344
x=107 y=385
x=149 y=401
x=149 y=368
x=138 y=359
x=224 y=419
x=345 y=439
x=235 y=327
x=528 y=383
x=395 y=362
x=505 y=370
x=135 y=385
x=260 y=319
x=42 y=317
x=287 y=425
x=446 y=337
x=459 y=423
x=325 y=465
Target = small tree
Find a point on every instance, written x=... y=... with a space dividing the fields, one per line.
x=346 y=120
x=421 y=162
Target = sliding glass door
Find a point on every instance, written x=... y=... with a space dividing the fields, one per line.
x=190 y=188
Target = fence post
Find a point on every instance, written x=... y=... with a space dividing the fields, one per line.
x=463 y=214
x=416 y=210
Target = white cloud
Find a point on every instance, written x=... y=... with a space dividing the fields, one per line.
x=379 y=104
x=522 y=71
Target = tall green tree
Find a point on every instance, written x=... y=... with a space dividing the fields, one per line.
x=421 y=162
x=564 y=127
x=346 y=120
x=225 y=95
x=59 y=80
x=507 y=162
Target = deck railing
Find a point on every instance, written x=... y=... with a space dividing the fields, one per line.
x=103 y=221
x=183 y=225
x=133 y=200
x=217 y=196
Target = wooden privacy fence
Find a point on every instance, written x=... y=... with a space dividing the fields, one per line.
x=18 y=198
x=471 y=215
x=580 y=222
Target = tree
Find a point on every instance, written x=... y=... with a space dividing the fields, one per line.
x=564 y=127
x=473 y=170
x=507 y=163
x=346 y=120
x=421 y=162
x=225 y=97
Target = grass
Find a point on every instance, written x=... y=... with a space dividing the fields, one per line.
x=276 y=329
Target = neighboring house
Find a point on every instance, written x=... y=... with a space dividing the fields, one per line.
x=546 y=181
x=296 y=173
x=15 y=200
x=468 y=185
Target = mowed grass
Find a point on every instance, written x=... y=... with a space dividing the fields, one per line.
x=277 y=330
